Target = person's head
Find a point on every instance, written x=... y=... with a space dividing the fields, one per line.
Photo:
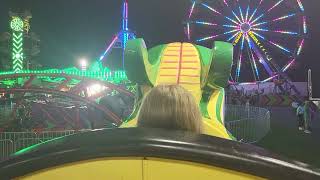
x=170 y=107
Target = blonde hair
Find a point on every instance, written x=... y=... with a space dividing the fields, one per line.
x=170 y=107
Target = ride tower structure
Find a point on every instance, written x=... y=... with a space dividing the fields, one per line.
x=120 y=40
x=20 y=26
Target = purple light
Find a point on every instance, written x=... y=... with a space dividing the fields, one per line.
x=124 y=15
x=127 y=12
x=261 y=59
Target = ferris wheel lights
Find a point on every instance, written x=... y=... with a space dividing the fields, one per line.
x=206 y=23
x=280 y=47
x=277 y=4
x=241 y=14
x=305 y=24
x=192 y=8
x=286 y=32
x=284 y=17
x=288 y=66
x=247 y=13
x=300 y=47
x=300 y=5
x=210 y=8
x=236 y=22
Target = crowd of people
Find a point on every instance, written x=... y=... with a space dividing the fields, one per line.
x=242 y=97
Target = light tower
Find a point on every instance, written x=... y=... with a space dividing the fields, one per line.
x=19 y=25
x=120 y=40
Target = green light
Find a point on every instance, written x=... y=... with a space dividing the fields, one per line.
x=17 y=50
x=17 y=24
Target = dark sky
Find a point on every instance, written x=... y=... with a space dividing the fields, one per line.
x=70 y=29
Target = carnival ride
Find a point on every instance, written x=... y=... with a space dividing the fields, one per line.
x=59 y=100
x=135 y=153
x=119 y=41
x=267 y=41
x=72 y=94
x=202 y=71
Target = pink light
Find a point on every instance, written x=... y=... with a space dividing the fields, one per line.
x=109 y=47
x=288 y=66
x=126 y=4
x=270 y=78
x=260 y=2
x=192 y=8
x=277 y=4
x=188 y=31
x=225 y=2
x=300 y=5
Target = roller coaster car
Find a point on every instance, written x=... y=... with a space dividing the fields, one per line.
x=148 y=154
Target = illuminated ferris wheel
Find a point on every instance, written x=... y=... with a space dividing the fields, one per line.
x=268 y=35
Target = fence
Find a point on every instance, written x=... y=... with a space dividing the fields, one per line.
x=247 y=124
x=11 y=142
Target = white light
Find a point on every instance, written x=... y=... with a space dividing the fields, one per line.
x=83 y=64
x=95 y=89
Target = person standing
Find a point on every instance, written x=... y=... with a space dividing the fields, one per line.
x=307 y=117
x=300 y=115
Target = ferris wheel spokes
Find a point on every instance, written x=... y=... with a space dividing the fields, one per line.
x=266 y=41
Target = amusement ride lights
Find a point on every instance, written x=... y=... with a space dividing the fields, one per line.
x=260 y=30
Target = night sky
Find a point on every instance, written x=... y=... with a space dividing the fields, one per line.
x=71 y=29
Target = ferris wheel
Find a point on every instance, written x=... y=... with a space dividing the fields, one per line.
x=268 y=35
